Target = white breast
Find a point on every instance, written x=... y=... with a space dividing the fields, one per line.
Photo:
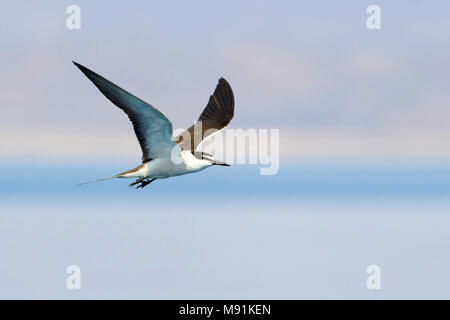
x=164 y=168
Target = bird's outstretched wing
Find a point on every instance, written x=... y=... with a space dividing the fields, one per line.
x=216 y=116
x=152 y=128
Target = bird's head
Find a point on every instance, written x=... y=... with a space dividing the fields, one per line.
x=210 y=159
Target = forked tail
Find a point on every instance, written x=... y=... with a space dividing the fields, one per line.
x=136 y=172
x=98 y=180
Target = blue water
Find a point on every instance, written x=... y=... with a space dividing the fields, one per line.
x=300 y=180
x=309 y=232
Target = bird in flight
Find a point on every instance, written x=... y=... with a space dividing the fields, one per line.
x=164 y=156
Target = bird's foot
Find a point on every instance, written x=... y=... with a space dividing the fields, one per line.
x=137 y=181
x=144 y=183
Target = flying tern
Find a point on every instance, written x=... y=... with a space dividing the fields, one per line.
x=164 y=156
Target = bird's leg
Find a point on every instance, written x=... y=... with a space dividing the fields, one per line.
x=144 y=183
x=137 y=181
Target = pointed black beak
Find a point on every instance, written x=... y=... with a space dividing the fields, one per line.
x=218 y=163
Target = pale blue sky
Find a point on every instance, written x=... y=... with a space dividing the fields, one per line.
x=295 y=65
x=315 y=61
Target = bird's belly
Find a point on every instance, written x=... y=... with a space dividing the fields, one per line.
x=165 y=168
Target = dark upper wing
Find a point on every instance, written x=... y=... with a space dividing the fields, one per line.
x=152 y=128
x=217 y=115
